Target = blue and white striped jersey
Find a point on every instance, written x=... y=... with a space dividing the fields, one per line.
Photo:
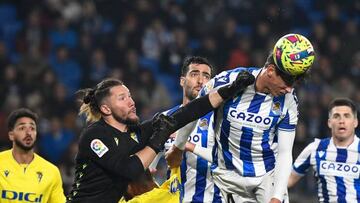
x=246 y=126
x=196 y=179
x=337 y=170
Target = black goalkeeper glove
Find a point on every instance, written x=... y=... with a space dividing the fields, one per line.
x=163 y=126
x=243 y=79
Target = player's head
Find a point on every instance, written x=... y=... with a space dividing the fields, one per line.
x=109 y=98
x=144 y=183
x=195 y=72
x=342 y=118
x=22 y=128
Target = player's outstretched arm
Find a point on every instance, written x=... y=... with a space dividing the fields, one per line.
x=200 y=151
x=293 y=179
x=283 y=164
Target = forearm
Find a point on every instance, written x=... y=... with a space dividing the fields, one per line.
x=203 y=152
x=293 y=179
x=146 y=156
x=196 y=109
x=283 y=163
x=183 y=135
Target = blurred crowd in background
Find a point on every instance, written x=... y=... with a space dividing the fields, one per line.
x=51 y=48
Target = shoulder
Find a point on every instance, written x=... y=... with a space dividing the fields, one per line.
x=291 y=98
x=5 y=155
x=171 y=110
x=46 y=165
x=315 y=144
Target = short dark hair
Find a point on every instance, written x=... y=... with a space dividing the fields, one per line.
x=288 y=79
x=195 y=60
x=19 y=113
x=343 y=102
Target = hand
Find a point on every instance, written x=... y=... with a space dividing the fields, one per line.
x=174 y=157
x=274 y=200
x=243 y=79
x=163 y=126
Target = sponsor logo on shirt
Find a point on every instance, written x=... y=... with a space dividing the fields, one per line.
x=250 y=119
x=98 y=147
x=21 y=196
x=339 y=169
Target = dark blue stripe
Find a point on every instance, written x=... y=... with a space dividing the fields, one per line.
x=200 y=185
x=217 y=196
x=172 y=110
x=256 y=103
x=183 y=168
x=304 y=166
x=201 y=164
x=340 y=185
x=322 y=147
x=225 y=131
x=357 y=180
x=267 y=152
x=245 y=151
x=247 y=136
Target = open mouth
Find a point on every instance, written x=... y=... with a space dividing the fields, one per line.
x=342 y=129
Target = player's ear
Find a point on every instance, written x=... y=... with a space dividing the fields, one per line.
x=270 y=71
x=11 y=135
x=182 y=81
x=356 y=122
x=105 y=109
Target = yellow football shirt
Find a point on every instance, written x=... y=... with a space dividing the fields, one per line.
x=39 y=181
x=168 y=192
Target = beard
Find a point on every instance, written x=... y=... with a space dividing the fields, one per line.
x=191 y=95
x=127 y=121
x=19 y=144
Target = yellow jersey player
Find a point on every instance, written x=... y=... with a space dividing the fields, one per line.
x=24 y=175
x=169 y=191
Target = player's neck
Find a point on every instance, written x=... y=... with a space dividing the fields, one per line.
x=343 y=143
x=185 y=101
x=22 y=156
x=260 y=82
x=114 y=123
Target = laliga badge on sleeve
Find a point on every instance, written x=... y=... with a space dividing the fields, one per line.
x=98 y=147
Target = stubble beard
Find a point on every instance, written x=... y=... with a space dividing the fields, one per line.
x=128 y=121
x=24 y=147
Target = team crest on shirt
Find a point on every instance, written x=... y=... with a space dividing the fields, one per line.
x=204 y=124
x=116 y=141
x=276 y=108
x=39 y=175
x=98 y=147
x=175 y=186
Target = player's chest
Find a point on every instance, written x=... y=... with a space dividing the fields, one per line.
x=259 y=115
x=25 y=186
x=340 y=164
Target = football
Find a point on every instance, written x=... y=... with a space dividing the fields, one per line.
x=293 y=54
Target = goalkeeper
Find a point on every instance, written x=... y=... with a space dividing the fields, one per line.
x=116 y=149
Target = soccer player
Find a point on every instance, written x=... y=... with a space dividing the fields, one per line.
x=196 y=181
x=254 y=132
x=116 y=148
x=25 y=176
x=335 y=160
